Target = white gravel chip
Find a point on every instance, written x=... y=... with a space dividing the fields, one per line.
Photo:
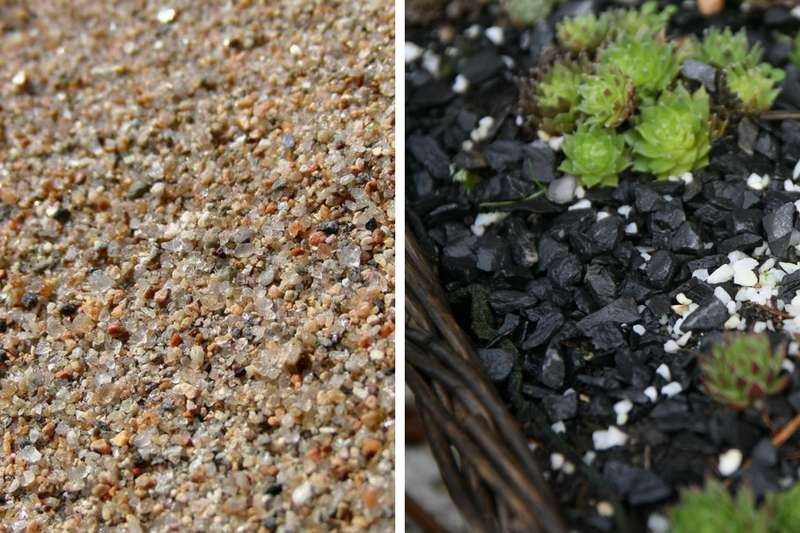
x=657 y=523
x=671 y=389
x=651 y=393
x=484 y=220
x=412 y=52
x=461 y=84
x=745 y=278
x=166 y=15
x=720 y=275
x=495 y=34
x=556 y=461
x=302 y=494
x=605 y=439
x=639 y=329
x=622 y=408
x=663 y=371
x=562 y=190
x=729 y=462
x=671 y=346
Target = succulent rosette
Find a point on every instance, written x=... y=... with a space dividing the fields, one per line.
x=649 y=63
x=672 y=136
x=583 y=33
x=645 y=23
x=723 y=48
x=527 y=12
x=756 y=87
x=556 y=97
x=607 y=98
x=743 y=369
x=713 y=510
x=595 y=156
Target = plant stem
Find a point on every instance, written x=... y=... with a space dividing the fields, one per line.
x=786 y=432
x=504 y=203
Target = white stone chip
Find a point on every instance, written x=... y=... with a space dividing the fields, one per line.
x=622 y=408
x=605 y=439
x=671 y=346
x=745 y=278
x=729 y=462
x=302 y=494
x=562 y=190
x=720 y=275
x=559 y=427
x=796 y=171
x=624 y=210
x=412 y=52
x=631 y=229
x=484 y=220
x=556 y=461
x=671 y=389
x=663 y=371
x=495 y=34
x=651 y=393
x=722 y=295
x=581 y=204
x=460 y=84
x=657 y=523
x=166 y=15
x=639 y=329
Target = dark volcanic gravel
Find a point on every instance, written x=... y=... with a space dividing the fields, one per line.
x=594 y=309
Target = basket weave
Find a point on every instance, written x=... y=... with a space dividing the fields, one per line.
x=481 y=451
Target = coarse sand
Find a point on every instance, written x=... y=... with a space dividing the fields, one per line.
x=197 y=266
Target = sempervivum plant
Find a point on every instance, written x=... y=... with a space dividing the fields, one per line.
x=527 y=12
x=645 y=23
x=756 y=87
x=714 y=510
x=649 y=63
x=723 y=48
x=556 y=97
x=607 y=97
x=743 y=369
x=673 y=135
x=595 y=156
x=583 y=33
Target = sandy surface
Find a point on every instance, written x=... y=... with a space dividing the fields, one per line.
x=196 y=266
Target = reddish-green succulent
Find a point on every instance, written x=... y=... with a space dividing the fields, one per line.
x=595 y=156
x=743 y=369
x=607 y=97
x=756 y=87
x=583 y=33
x=556 y=97
x=649 y=63
x=672 y=136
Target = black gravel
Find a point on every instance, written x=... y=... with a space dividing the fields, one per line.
x=551 y=295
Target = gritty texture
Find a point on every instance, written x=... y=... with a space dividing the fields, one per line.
x=197 y=266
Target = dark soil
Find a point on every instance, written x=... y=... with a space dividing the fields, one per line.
x=551 y=295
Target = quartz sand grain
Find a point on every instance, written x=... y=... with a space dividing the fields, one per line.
x=196 y=266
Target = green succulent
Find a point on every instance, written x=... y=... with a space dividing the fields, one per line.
x=723 y=48
x=595 y=156
x=649 y=63
x=583 y=33
x=714 y=510
x=672 y=136
x=785 y=510
x=645 y=23
x=607 y=98
x=794 y=55
x=528 y=12
x=743 y=369
x=556 y=97
x=756 y=87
